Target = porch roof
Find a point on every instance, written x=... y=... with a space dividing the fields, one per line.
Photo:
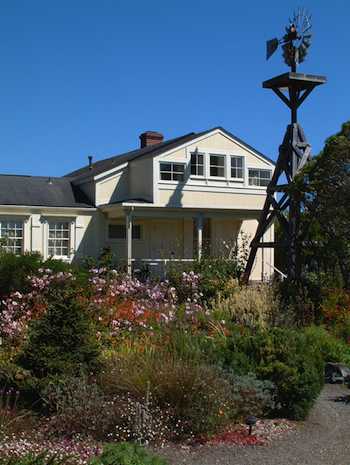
x=150 y=210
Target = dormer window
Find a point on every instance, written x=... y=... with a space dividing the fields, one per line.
x=259 y=177
x=172 y=171
x=197 y=164
x=217 y=166
x=237 y=167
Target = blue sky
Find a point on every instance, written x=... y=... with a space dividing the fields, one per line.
x=83 y=78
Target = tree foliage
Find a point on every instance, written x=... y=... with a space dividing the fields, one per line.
x=326 y=219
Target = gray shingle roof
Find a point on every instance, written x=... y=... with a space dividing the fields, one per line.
x=63 y=192
x=153 y=150
x=109 y=163
x=40 y=191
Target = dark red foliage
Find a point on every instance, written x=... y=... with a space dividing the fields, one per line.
x=238 y=437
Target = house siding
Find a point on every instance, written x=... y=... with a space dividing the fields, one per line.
x=168 y=224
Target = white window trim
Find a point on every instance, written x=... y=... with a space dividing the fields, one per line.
x=167 y=181
x=261 y=169
x=72 y=239
x=205 y=163
x=218 y=154
x=230 y=167
x=19 y=219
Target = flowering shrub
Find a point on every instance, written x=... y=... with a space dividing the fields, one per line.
x=20 y=308
x=121 y=302
x=116 y=302
x=197 y=398
x=78 y=406
x=25 y=450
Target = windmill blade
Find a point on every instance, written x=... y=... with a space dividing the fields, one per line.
x=306 y=28
x=271 y=47
x=306 y=41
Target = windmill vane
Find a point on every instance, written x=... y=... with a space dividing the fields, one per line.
x=296 y=41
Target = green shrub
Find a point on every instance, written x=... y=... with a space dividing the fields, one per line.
x=196 y=397
x=330 y=347
x=126 y=454
x=63 y=340
x=218 y=276
x=287 y=359
x=14 y=270
x=252 y=395
x=18 y=379
x=31 y=459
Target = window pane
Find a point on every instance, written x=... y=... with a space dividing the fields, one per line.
x=117 y=231
x=59 y=238
x=217 y=165
x=165 y=167
x=178 y=177
x=217 y=171
x=12 y=234
x=217 y=160
x=197 y=164
x=237 y=167
x=259 y=177
x=172 y=171
x=236 y=173
x=178 y=168
x=165 y=176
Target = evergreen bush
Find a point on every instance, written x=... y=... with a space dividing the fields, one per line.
x=63 y=340
x=126 y=454
x=287 y=359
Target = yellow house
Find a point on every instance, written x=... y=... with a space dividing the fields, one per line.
x=167 y=200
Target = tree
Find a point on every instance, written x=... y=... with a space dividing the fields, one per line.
x=63 y=341
x=326 y=219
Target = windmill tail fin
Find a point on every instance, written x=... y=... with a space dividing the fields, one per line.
x=271 y=47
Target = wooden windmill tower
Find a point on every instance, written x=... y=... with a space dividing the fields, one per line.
x=283 y=201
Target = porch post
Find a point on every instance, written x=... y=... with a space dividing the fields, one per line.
x=199 y=235
x=128 y=219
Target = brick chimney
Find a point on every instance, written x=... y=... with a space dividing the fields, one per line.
x=150 y=138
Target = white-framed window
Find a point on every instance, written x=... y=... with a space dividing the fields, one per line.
x=259 y=177
x=11 y=235
x=217 y=165
x=170 y=171
x=237 y=167
x=59 y=238
x=197 y=164
x=118 y=231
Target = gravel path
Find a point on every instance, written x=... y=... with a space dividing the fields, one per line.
x=323 y=439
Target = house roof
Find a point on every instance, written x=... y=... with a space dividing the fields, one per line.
x=41 y=191
x=153 y=150
x=64 y=192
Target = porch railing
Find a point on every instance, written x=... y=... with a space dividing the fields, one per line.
x=160 y=263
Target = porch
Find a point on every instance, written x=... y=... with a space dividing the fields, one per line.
x=143 y=235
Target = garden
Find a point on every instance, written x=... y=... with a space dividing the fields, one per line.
x=98 y=367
